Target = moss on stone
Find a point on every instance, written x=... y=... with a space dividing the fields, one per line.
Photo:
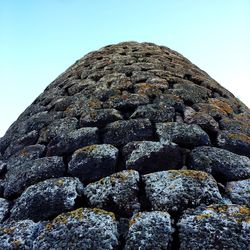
x=190 y=173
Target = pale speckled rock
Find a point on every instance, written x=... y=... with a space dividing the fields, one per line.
x=121 y=132
x=155 y=112
x=79 y=229
x=215 y=227
x=93 y=162
x=149 y=156
x=19 y=235
x=118 y=193
x=99 y=117
x=171 y=190
x=19 y=177
x=239 y=192
x=149 y=230
x=238 y=143
x=73 y=140
x=183 y=134
x=47 y=198
x=220 y=163
x=4 y=209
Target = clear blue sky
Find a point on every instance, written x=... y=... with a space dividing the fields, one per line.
x=39 y=39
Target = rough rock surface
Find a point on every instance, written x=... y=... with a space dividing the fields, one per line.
x=215 y=227
x=220 y=163
x=93 y=162
x=149 y=230
x=118 y=192
x=148 y=156
x=124 y=129
x=177 y=190
x=79 y=229
x=48 y=198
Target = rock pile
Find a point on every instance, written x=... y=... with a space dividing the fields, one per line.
x=132 y=147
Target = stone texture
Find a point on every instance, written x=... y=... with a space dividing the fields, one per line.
x=215 y=227
x=149 y=230
x=72 y=141
x=79 y=229
x=238 y=143
x=220 y=163
x=47 y=198
x=148 y=156
x=19 y=235
x=183 y=134
x=155 y=112
x=115 y=99
x=4 y=209
x=170 y=190
x=93 y=162
x=121 y=132
x=239 y=192
x=99 y=117
x=118 y=193
x=19 y=177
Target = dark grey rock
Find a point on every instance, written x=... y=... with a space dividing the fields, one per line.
x=117 y=193
x=177 y=190
x=221 y=163
x=183 y=134
x=4 y=209
x=93 y=162
x=58 y=129
x=79 y=229
x=28 y=153
x=149 y=230
x=191 y=93
x=210 y=109
x=127 y=101
x=121 y=132
x=205 y=121
x=47 y=198
x=73 y=141
x=172 y=101
x=215 y=227
x=148 y=156
x=19 y=235
x=19 y=177
x=3 y=168
x=155 y=112
x=236 y=142
x=239 y=192
x=99 y=117
x=237 y=125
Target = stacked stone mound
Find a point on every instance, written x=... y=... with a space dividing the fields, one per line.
x=132 y=147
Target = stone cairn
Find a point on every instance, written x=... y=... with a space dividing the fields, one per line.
x=132 y=147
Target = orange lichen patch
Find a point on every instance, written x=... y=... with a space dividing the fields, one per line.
x=200 y=175
x=9 y=230
x=63 y=218
x=149 y=89
x=221 y=105
x=219 y=208
x=16 y=243
x=49 y=227
x=239 y=136
x=23 y=152
x=203 y=216
x=134 y=219
x=103 y=212
x=87 y=149
x=94 y=104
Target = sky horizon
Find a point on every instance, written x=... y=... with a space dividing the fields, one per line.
x=40 y=39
